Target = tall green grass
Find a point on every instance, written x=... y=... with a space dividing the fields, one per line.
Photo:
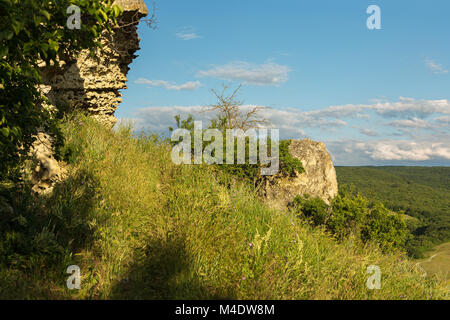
x=141 y=227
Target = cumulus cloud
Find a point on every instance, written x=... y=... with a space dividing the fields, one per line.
x=444 y=120
x=408 y=107
x=412 y=123
x=403 y=108
x=435 y=68
x=404 y=150
x=158 y=119
x=418 y=140
x=368 y=132
x=293 y=121
x=267 y=74
x=353 y=152
x=190 y=85
x=187 y=33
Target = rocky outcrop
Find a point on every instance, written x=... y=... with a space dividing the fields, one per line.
x=87 y=82
x=93 y=83
x=47 y=171
x=318 y=179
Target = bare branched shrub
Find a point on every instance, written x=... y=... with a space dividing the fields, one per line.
x=151 y=20
x=232 y=114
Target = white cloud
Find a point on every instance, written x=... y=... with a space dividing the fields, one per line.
x=405 y=150
x=158 y=119
x=403 y=108
x=187 y=33
x=191 y=85
x=408 y=107
x=269 y=73
x=382 y=152
x=443 y=120
x=368 y=132
x=415 y=123
x=293 y=122
x=435 y=67
x=430 y=145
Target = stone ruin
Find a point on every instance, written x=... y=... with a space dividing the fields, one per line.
x=90 y=83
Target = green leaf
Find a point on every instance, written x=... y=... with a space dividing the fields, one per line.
x=17 y=26
x=117 y=11
x=3 y=52
x=45 y=14
x=53 y=45
x=105 y=17
x=6 y=35
x=27 y=47
x=5 y=132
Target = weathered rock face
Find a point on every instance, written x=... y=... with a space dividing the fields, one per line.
x=318 y=180
x=47 y=171
x=89 y=83
x=93 y=83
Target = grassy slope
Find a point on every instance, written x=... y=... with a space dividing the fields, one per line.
x=438 y=261
x=162 y=231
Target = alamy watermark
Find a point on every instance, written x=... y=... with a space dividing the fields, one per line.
x=258 y=147
x=74 y=281
x=374 y=281
x=374 y=20
x=74 y=20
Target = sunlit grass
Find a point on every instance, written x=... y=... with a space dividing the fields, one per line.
x=160 y=231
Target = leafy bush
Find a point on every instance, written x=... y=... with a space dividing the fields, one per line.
x=314 y=209
x=249 y=172
x=288 y=163
x=384 y=227
x=349 y=211
x=352 y=214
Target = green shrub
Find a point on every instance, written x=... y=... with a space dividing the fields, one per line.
x=248 y=172
x=352 y=214
x=289 y=164
x=348 y=214
x=384 y=227
x=314 y=209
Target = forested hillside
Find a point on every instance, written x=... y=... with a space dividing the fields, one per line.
x=421 y=192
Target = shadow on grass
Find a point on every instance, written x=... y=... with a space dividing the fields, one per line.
x=163 y=271
x=39 y=238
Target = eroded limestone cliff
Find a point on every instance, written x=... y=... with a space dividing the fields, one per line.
x=93 y=83
x=87 y=82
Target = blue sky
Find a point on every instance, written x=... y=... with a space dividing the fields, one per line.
x=373 y=96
